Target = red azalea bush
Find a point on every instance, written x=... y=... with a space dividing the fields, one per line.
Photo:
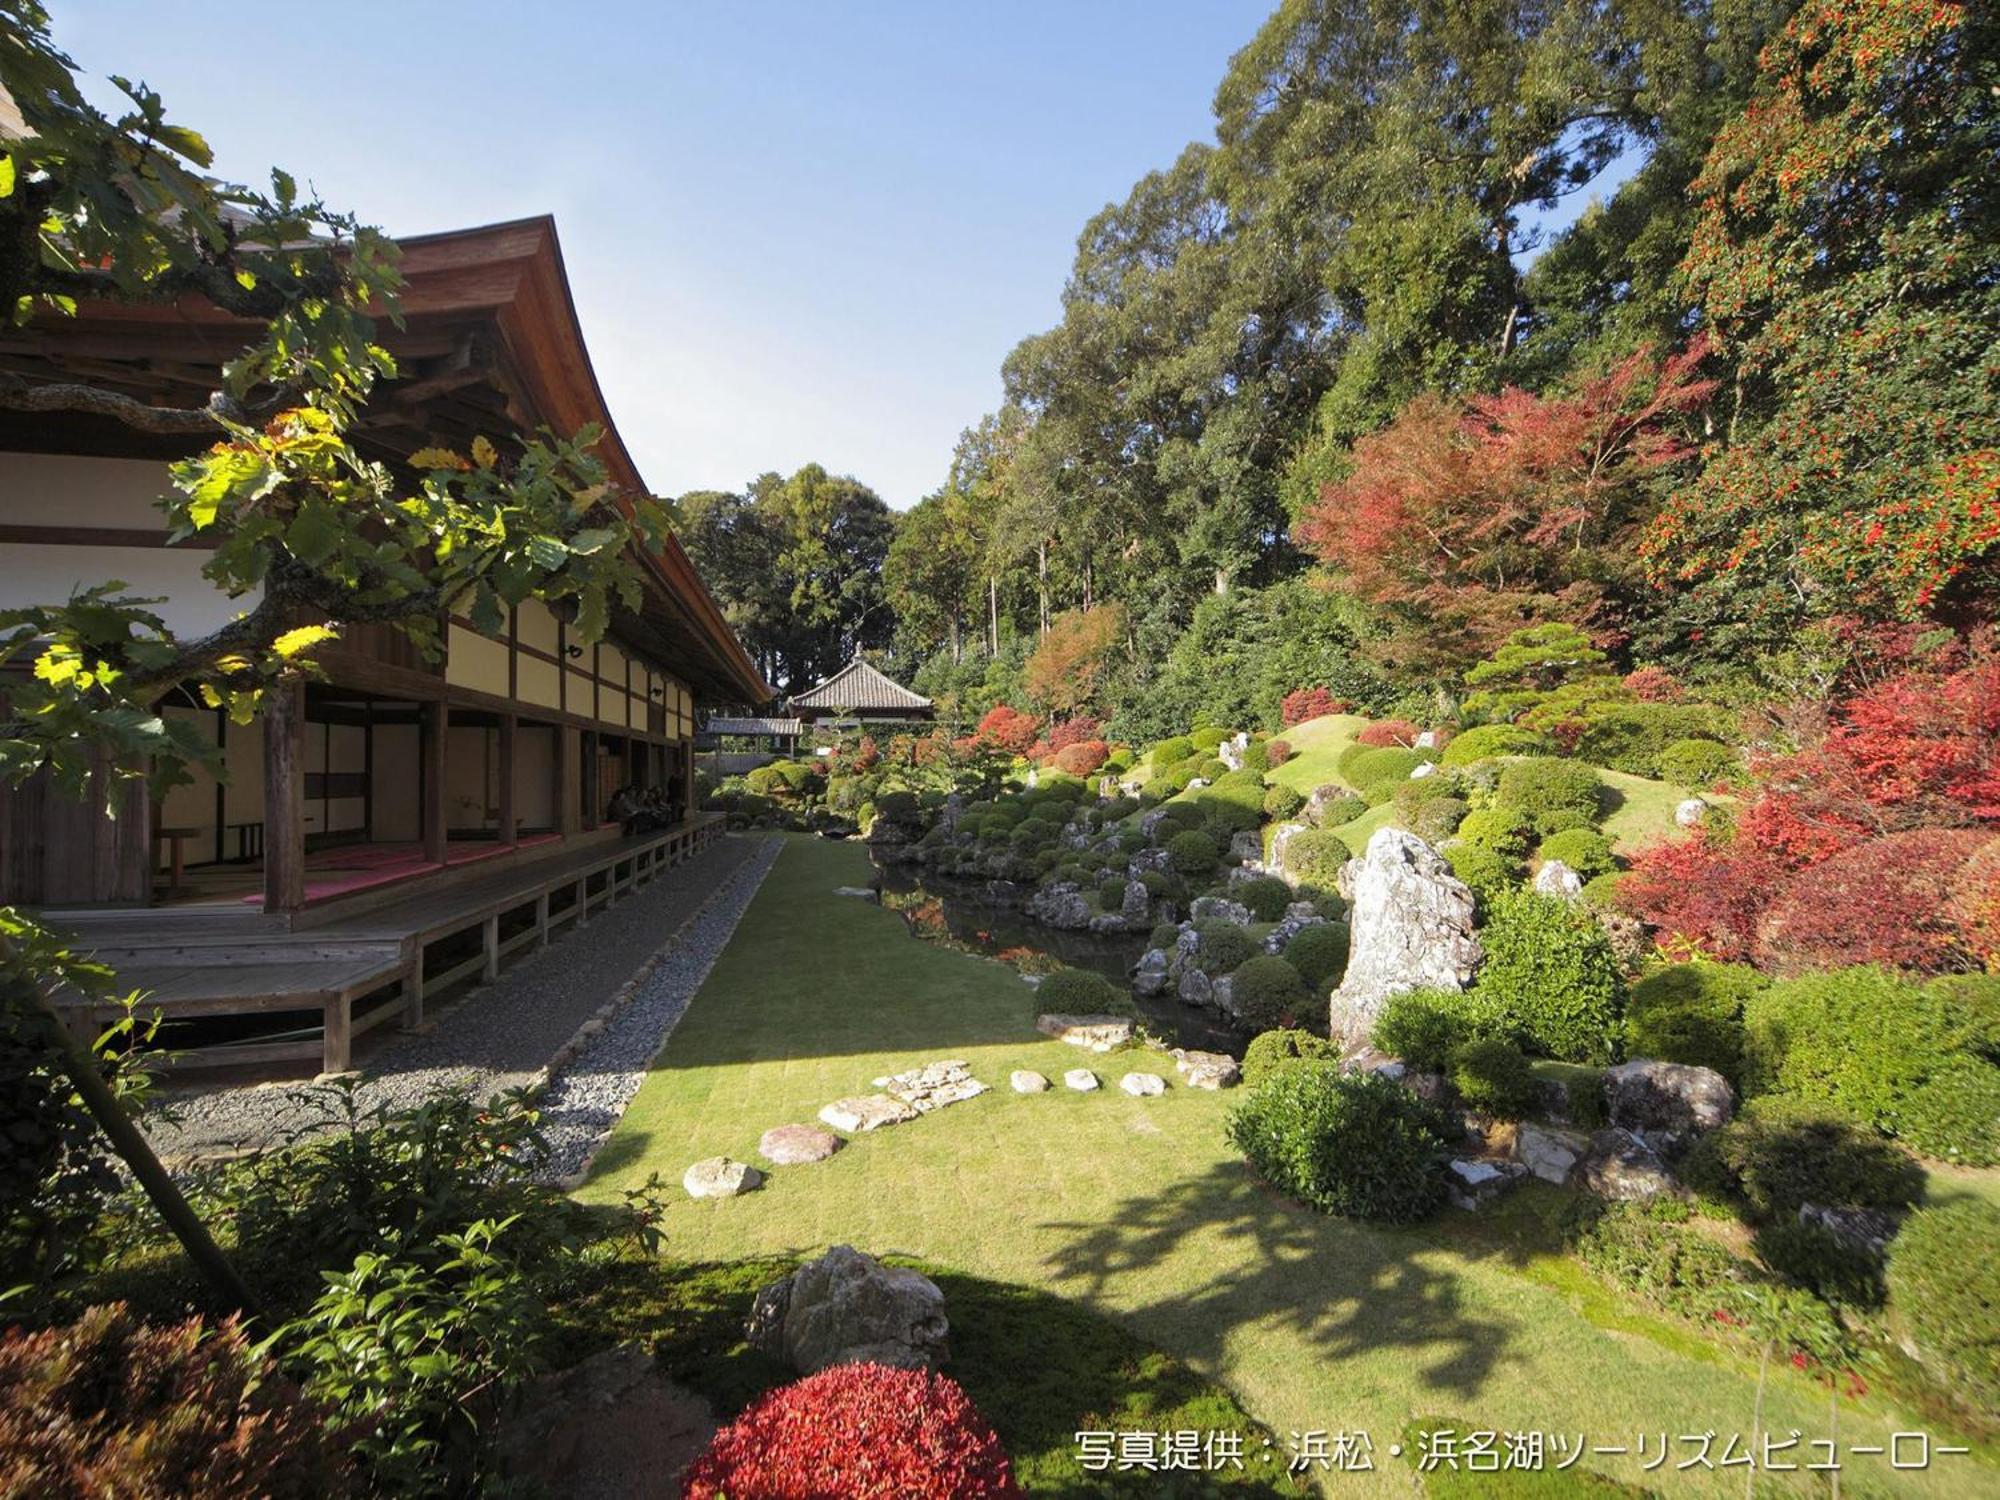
x=1309 y=703
x=1083 y=757
x=1066 y=732
x=1975 y=905
x=1654 y=685
x=1888 y=901
x=1009 y=728
x=1389 y=732
x=1277 y=753
x=855 y=1432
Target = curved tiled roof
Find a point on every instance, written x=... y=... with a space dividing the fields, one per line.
x=859 y=686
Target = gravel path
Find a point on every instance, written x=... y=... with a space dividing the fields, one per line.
x=504 y=1034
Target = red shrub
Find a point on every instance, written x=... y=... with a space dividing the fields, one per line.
x=1009 y=728
x=1975 y=905
x=866 y=754
x=1654 y=685
x=1887 y=901
x=1389 y=732
x=1074 y=731
x=111 y=1406
x=855 y=1432
x=1083 y=757
x=1309 y=703
x=1040 y=753
x=1277 y=753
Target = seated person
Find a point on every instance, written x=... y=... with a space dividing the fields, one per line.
x=623 y=809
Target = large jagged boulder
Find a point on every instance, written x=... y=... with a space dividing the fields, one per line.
x=1411 y=927
x=1061 y=905
x=1668 y=1103
x=1219 y=909
x=848 y=1308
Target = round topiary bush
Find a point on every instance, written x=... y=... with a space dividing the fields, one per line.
x=1376 y=774
x=1111 y=892
x=1268 y=993
x=1354 y=1144
x=1164 y=936
x=1696 y=764
x=1777 y=1156
x=1954 y=1115
x=1224 y=945
x=1502 y=830
x=859 y=1430
x=1338 y=808
x=1284 y=803
x=1584 y=850
x=1265 y=895
x=1388 y=732
x=1489 y=875
x=1550 y=971
x=1169 y=752
x=1192 y=852
x=1488 y=740
x=1319 y=953
x=1082 y=992
x=1276 y=753
x=1692 y=1013
x=1271 y=1050
x=1425 y=1027
x=1551 y=793
x=1493 y=1077
x=1944 y=1287
x=1212 y=770
x=1430 y=808
x=1315 y=856
x=1208 y=738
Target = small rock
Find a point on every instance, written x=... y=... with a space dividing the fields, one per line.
x=1620 y=1166
x=1150 y=977
x=1866 y=1231
x=859 y=892
x=1549 y=1154
x=1369 y=1060
x=1691 y=813
x=797 y=1145
x=1557 y=879
x=1080 y=1079
x=1219 y=909
x=1419 y=772
x=867 y=1112
x=1143 y=1085
x=1206 y=1070
x=720 y=1177
x=1475 y=1182
x=1098 y=1033
x=1028 y=1081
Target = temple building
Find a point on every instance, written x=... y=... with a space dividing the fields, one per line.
x=858 y=694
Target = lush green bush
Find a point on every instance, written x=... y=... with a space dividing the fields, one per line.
x=1173 y=779
x=1356 y=1145
x=1193 y=852
x=1584 y=850
x=1271 y=1050
x=1430 y=807
x=1224 y=945
x=1315 y=856
x=1082 y=992
x=1603 y=893
x=1284 y=803
x=1338 y=810
x=1806 y=1255
x=1696 y=764
x=1551 y=794
x=1499 y=830
x=1208 y=737
x=1493 y=1077
x=1319 y=953
x=1169 y=752
x=1424 y=1027
x=1495 y=739
x=1489 y=875
x=1954 y=1115
x=1163 y=884
x=1268 y=993
x=1235 y=806
x=1774 y=1158
x=1111 y=892
x=1164 y=936
x=1944 y=1285
x=1174 y=816
x=1265 y=895
x=1550 y=971
x=1632 y=737
x=1377 y=773
x=1692 y=1013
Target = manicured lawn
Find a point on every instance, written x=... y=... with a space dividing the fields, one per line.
x=1318 y=743
x=1644 y=811
x=1138 y=1209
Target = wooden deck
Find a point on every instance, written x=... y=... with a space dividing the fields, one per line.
x=365 y=966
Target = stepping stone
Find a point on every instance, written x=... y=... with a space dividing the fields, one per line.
x=868 y=1112
x=859 y=892
x=1080 y=1079
x=1475 y=1182
x=798 y=1145
x=933 y=1086
x=1027 y=1081
x=719 y=1177
x=1098 y=1033
x=1143 y=1085
x=1207 y=1070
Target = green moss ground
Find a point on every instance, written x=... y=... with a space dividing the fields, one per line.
x=1138 y=1210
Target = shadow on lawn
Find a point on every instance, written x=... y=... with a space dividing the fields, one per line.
x=1342 y=1289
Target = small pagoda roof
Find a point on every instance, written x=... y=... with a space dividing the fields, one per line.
x=859 y=688
x=719 y=724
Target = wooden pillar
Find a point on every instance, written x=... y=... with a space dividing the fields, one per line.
x=509 y=725
x=436 y=731
x=542 y=920
x=686 y=754
x=413 y=990
x=491 y=939
x=338 y=1039
x=284 y=801
x=568 y=756
x=582 y=900
x=592 y=812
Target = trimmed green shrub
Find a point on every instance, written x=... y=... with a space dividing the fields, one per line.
x=1237 y=807
x=1971 y=1003
x=1271 y=1050
x=1111 y=892
x=1356 y=1145
x=1584 y=850
x=1164 y=936
x=1224 y=945
x=1377 y=773
x=1550 y=793
x=1169 y=752
x=1176 y=815
x=1163 y=883
x=1501 y=830
x=1944 y=1284
x=1682 y=1271
x=1082 y=992
x=1775 y=1157
x=1284 y=803
x=1192 y=852
x=1430 y=807
x=1336 y=810
x=1696 y=764
x=1212 y=770
x=1208 y=737
x=1806 y=1255
x=1319 y=953
x=1954 y=1115
x=1692 y=1013
x=1550 y=971
x=1315 y=855
x=1266 y=896
x=1495 y=739
x=1424 y=1027
x=1493 y=1077
x=1489 y=875
x=1631 y=737
x=1173 y=780
x=1269 y=993
x=1602 y=893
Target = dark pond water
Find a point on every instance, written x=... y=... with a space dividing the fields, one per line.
x=961 y=915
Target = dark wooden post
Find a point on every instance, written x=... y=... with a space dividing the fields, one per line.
x=568 y=758
x=686 y=757
x=508 y=726
x=284 y=797
x=436 y=730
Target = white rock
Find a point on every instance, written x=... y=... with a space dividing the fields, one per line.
x=797 y=1145
x=867 y=1112
x=1557 y=879
x=1691 y=813
x=1143 y=1085
x=1412 y=924
x=1028 y=1081
x=860 y=892
x=1080 y=1079
x=719 y=1177
x=1098 y=1033
x=1418 y=773
x=933 y=1086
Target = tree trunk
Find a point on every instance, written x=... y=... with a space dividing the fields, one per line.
x=1042 y=581
x=993 y=614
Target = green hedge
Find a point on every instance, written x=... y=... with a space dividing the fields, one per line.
x=1082 y=992
x=1584 y=850
x=1551 y=794
x=1319 y=953
x=1315 y=856
x=1495 y=739
x=1425 y=1027
x=1493 y=1077
x=1944 y=1283
x=1692 y=1013
x=1356 y=1145
x=1269 y=993
x=1550 y=972
x=1632 y=737
x=1271 y=1050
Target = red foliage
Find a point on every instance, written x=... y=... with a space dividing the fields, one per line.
x=1277 y=753
x=1389 y=732
x=1888 y=901
x=1654 y=685
x=1083 y=757
x=866 y=754
x=1310 y=703
x=1066 y=732
x=1975 y=905
x=1009 y=728
x=856 y=1432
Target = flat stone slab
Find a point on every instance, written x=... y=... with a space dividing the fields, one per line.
x=1143 y=1085
x=1028 y=1081
x=1473 y=1182
x=1207 y=1070
x=1098 y=1033
x=933 y=1086
x=1080 y=1079
x=1548 y=1152
x=859 y=892
x=720 y=1177
x=866 y=1112
x=797 y=1145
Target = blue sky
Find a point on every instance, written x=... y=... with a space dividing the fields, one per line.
x=794 y=231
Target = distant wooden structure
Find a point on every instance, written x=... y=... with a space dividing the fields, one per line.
x=860 y=694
